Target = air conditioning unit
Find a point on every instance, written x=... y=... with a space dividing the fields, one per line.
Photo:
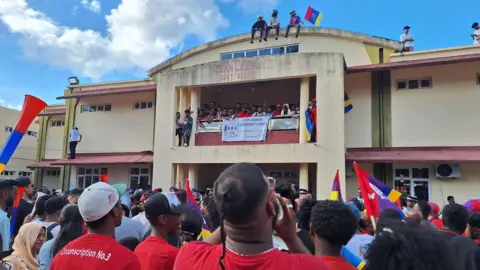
x=451 y=171
x=349 y=170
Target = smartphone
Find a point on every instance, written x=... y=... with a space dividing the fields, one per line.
x=272 y=183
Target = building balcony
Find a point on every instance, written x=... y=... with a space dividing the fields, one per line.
x=281 y=130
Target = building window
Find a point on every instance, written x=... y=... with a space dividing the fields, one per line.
x=8 y=129
x=96 y=108
x=265 y=52
x=52 y=172
x=279 y=50
x=32 y=133
x=413 y=181
x=292 y=49
x=239 y=55
x=414 y=83
x=141 y=105
x=88 y=176
x=225 y=56
x=478 y=79
x=139 y=178
x=27 y=174
x=57 y=123
x=8 y=173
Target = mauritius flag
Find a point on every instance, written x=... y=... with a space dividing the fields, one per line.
x=377 y=196
x=336 y=193
x=313 y=16
x=191 y=201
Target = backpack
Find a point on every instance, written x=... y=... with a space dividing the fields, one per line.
x=49 y=231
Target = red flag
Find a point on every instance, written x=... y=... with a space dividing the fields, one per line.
x=371 y=205
x=20 y=191
x=104 y=178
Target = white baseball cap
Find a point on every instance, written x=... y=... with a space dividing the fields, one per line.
x=96 y=201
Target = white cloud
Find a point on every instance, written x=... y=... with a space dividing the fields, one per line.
x=4 y=103
x=252 y=6
x=141 y=34
x=93 y=5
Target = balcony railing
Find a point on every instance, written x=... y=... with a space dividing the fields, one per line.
x=281 y=130
x=274 y=124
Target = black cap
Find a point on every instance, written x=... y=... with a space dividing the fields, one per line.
x=406 y=27
x=475 y=25
x=164 y=203
x=302 y=191
x=23 y=181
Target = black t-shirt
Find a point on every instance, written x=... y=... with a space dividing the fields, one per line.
x=306 y=240
x=259 y=24
x=24 y=209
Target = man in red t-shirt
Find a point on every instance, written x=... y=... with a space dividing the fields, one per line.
x=163 y=211
x=249 y=212
x=332 y=225
x=100 y=207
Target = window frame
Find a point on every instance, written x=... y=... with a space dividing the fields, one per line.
x=51 y=172
x=24 y=173
x=32 y=133
x=94 y=176
x=8 y=129
x=107 y=107
x=139 y=175
x=148 y=105
x=412 y=179
x=284 y=49
x=419 y=80
x=8 y=173
x=57 y=123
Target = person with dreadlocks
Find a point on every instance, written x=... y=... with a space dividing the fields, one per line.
x=249 y=213
x=401 y=247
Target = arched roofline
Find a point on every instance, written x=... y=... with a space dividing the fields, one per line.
x=306 y=31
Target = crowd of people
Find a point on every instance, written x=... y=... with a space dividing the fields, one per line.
x=212 y=112
x=255 y=223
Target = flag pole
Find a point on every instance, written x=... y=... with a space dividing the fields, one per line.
x=374 y=222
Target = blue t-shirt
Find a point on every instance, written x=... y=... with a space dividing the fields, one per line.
x=5 y=230
x=45 y=255
x=187 y=126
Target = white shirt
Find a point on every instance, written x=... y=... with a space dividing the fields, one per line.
x=74 y=135
x=477 y=40
x=404 y=36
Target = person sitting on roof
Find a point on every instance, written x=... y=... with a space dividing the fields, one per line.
x=295 y=21
x=274 y=23
x=260 y=25
x=407 y=39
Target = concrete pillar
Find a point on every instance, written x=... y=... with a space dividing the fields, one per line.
x=180 y=176
x=193 y=175
x=303 y=176
x=304 y=97
x=182 y=106
x=330 y=129
x=195 y=104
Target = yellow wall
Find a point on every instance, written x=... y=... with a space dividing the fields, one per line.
x=444 y=115
x=120 y=130
x=358 y=122
x=54 y=140
x=26 y=151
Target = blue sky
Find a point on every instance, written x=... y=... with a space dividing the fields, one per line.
x=78 y=37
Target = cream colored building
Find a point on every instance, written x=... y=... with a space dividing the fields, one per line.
x=413 y=122
x=26 y=150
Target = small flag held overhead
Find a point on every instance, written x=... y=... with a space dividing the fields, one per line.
x=313 y=16
x=104 y=178
x=336 y=194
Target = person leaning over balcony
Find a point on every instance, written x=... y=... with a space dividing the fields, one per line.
x=273 y=23
x=75 y=138
x=295 y=21
x=407 y=39
x=476 y=33
x=187 y=128
x=179 y=129
x=260 y=25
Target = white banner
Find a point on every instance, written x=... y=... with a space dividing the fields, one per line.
x=249 y=129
